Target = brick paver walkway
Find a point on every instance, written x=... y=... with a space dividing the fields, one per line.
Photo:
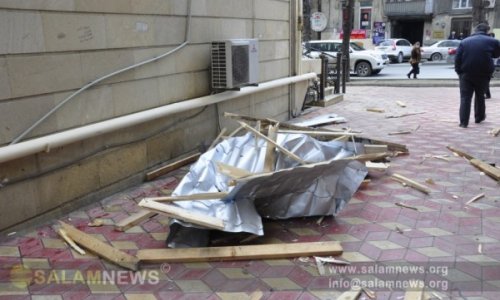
x=454 y=247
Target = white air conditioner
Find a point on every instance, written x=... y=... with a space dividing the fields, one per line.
x=489 y=4
x=235 y=63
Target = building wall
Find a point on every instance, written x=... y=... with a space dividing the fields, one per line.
x=52 y=48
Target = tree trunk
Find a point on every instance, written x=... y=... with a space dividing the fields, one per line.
x=347 y=15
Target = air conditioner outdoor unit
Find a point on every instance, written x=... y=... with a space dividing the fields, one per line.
x=235 y=63
x=489 y=4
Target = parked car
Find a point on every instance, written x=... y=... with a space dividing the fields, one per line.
x=362 y=62
x=452 y=52
x=396 y=49
x=439 y=49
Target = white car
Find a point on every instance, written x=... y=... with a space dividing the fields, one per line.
x=439 y=50
x=396 y=49
x=362 y=62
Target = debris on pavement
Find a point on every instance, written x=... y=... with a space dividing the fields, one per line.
x=172 y=166
x=404 y=115
x=475 y=199
x=495 y=131
x=375 y=109
x=488 y=169
x=321 y=120
x=134 y=219
x=62 y=233
x=411 y=183
x=401 y=103
x=96 y=223
x=406 y=206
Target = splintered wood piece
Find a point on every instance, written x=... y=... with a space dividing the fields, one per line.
x=200 y=196
x=489 y=170
x=285 y=151
x=475 y=198
x=270 y=159
x=318 y=133
x=495 y=131
x=400 y=132
x=404 y=115
x=401 y=103
x=250 y=252
x=406 y=206
x=70 y=242
x=460 y=152
x=134 y=219
x=375 y=148
x=374 y=109
x=376 y=166
x=183 y=214
x=222 y=132
x=173 y=166
x=235 y=131
x=232 y=172
x=411 y=183
x=100 y=248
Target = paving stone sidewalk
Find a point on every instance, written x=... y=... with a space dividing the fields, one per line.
x=453 y=247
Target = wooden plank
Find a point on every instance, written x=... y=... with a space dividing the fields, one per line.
x=495 y=131
x=249 y=252
x=405 y=115
x=232 y=172
x=460 y=152
x=172 y=166
x=134 y=219
x=200 y=196
x=375 y=148
x=318 y=133
x=411 y=183
x=62 y=233
x=269 y=161
x=400 y=132
x=376 y=166
x=375 y=109
x=401 y=103
x=100 y=248
x=222 y=132
x=183 y=214
x=285 y=151
x=488 y=169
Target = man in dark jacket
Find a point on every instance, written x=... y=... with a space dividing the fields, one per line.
x=474 y=66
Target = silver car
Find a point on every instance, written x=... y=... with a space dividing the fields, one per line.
x=439 y=50
x=396 y=49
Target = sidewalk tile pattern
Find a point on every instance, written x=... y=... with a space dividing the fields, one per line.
x=458 y=245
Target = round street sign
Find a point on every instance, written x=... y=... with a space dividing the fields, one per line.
x=318 y=21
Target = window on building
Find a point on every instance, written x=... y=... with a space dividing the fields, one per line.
x=459 y=4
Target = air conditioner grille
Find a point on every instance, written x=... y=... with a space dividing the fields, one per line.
x=240 y=64
x=219 y=76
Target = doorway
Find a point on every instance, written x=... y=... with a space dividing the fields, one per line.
x=412 y=30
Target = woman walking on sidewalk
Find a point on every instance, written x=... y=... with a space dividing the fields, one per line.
x=416 y=57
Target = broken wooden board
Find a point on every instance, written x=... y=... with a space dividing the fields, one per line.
x=232 y=172
x=200 y=196
x=411 y=183
x=375 y=109
x=404 y=115
x=70 y=242
x=475 y=198
x=230 y=253
x=488 y=169
x=282 y=149
x=269 y=161
x=183 y=214
x=172 y=166
x=495 y=131
x=134 y=219
x=401 y=103
x=219 y=137
x=369 y=149
x=100 y=248
x=381 y=167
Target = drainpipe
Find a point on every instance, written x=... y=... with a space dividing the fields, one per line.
x=48 y=142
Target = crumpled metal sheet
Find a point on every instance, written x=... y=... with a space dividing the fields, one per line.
x=291 y=191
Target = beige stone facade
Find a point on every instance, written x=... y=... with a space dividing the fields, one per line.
x=52 y=48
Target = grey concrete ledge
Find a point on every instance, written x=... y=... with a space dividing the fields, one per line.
x=412 y=82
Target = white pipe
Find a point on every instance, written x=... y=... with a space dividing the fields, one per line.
x=96 y=81
x=45 y=143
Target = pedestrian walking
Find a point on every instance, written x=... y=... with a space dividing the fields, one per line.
x=487 y=93
x=416 y=57
x=474 y=66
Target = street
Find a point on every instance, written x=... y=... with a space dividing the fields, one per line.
x=428 y=70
